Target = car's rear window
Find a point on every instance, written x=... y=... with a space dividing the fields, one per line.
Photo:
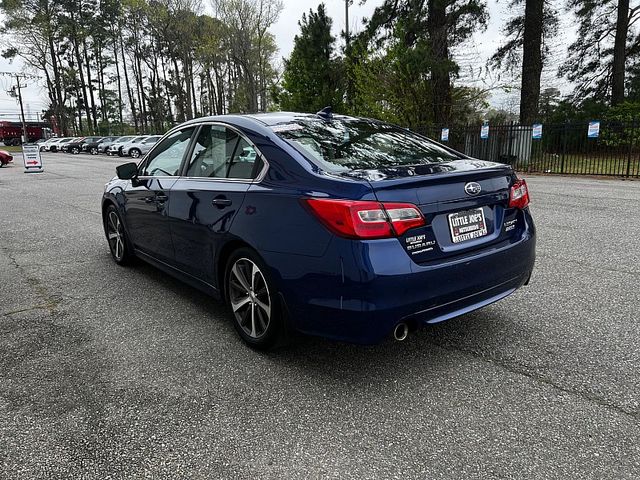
x=341 y=145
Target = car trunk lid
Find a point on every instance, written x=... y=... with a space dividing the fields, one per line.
x=464 y=202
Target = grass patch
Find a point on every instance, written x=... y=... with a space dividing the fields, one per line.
x=12 y=149
x=585 y=165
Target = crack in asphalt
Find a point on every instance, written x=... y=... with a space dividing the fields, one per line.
x=51 y=302
x=634 y=414
x=27 y=309
x=589 y=266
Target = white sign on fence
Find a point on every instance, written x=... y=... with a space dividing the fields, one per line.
x=594 y=130
x=484 y=131
x=31 y=158
x=444 y=136
x=537 y=131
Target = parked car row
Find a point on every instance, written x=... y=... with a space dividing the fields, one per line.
x=126 y=146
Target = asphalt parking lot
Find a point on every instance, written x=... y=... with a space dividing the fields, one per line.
x=111 y=372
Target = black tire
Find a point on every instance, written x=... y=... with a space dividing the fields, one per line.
x=134 y=153
x=120 y=154
x=93 y=151
x=119 y=246
x=75 y=150
x=249 y=318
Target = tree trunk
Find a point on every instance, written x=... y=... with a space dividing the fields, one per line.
x=220 y=92
x=441 y=71
x=58 y=107
x=132 y=101
x=101 y=87
x=76 y=51
x=137 y=71
x=180 y=107
x=90 y=86
x=187 y=76
x=212 y=94
x=620 y=53
x=531 y=61
x=166 y=94
x=115 y=57
x=78 y=96
x=193 y=90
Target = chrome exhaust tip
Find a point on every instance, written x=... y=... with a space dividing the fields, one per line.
x=401 y=332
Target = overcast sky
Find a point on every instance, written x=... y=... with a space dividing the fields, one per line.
x=476 y=52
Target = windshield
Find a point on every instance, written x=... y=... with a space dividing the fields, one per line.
x=344 y=145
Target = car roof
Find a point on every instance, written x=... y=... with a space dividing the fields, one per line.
x=275 y=118
x=260 y=122
x=268 y=119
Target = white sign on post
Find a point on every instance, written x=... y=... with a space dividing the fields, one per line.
x=31 y=158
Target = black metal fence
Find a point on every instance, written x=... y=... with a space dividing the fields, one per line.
x=612 y=148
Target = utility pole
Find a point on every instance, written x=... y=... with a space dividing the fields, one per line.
x=12 y=92
x=25 y=137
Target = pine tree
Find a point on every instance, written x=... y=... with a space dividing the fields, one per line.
x=605 y=50
x=527 y=47
x=310 y=78
x=420 y=36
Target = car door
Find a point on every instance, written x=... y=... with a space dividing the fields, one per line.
x=206 y=199
x=148 y=196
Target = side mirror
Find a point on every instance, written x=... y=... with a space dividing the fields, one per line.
x=127 y=171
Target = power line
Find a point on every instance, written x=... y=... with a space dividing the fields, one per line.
x=18 y=86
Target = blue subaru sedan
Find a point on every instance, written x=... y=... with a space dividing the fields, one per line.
x=343 y=227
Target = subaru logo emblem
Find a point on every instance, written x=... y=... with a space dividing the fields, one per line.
x=472 y=188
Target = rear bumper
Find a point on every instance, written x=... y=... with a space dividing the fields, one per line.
x=359 y=291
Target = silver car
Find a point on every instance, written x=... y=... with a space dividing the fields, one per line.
x=136 y=149
x=114 y=148
x=105 y=143
x=57 y=146
x=137 y=139
x=46 y=145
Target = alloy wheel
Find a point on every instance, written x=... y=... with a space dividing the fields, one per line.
x=135 y=153
x=249 y=298
x=115 y=235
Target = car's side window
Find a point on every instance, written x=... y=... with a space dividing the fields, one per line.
x=219 y=152
x=166 y=158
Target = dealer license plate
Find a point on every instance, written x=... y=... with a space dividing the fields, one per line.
x=467 y=225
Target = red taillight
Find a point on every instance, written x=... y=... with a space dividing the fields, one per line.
x=361 y=219
x=519 y=197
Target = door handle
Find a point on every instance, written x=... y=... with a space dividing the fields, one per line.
x=161 y=197
x=221 y=202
